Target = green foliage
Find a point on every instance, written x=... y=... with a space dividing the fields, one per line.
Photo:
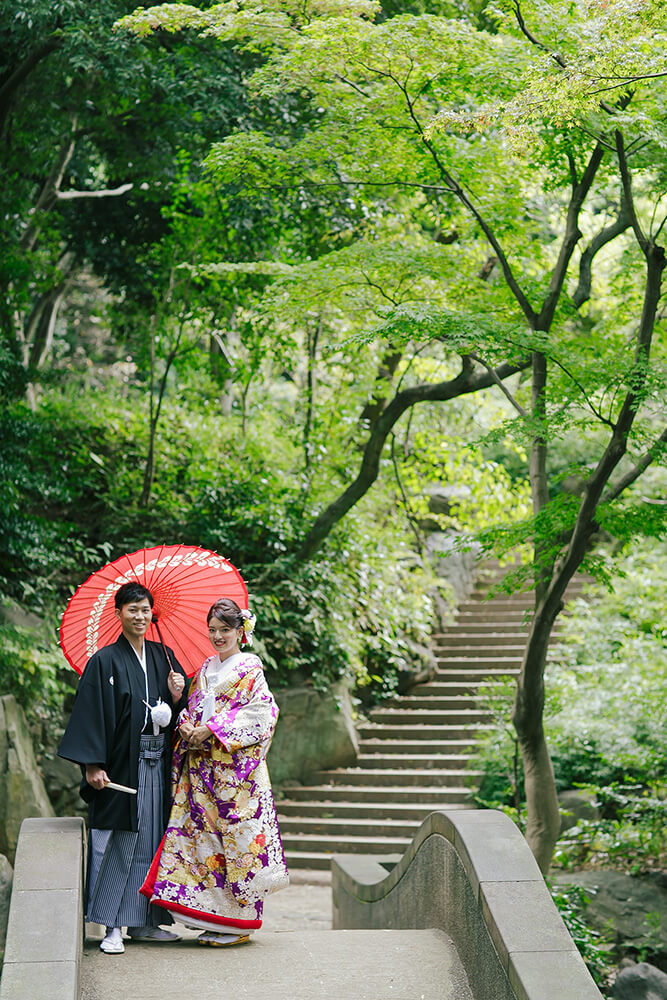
x=624 y=631
x=338 y=616
x=502 y=783
x=630 y=834
x=31 y=668
x=47 y=484
x=608 y=724
x=388 y=203
x=88 y=110
x=606 y=692
x=595 y=950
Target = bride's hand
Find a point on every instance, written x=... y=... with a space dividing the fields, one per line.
x=198 y=735
x=186 y=729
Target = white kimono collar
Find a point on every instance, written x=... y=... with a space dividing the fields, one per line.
x=219 y=676
x=216 y=671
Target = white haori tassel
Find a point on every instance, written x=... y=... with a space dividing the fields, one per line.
x=161 y=716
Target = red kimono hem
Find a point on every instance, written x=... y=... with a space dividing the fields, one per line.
x=148 y=888
x=187 y=911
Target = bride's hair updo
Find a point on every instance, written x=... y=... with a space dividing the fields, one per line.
x=227 y=611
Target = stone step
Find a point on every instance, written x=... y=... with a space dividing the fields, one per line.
x=355 y=810
x=461 y=702
x=408 y=746
x=312 y=860
x=477 y=673
x=479 y=597
x=430 y=776
x=486 y=676
x=480 y=662
x=460 y=762
x=440 y=797
x=490 y=613
x=474 y=650
x=422 y=732
x=475 y=640
x=487 y=628
x=507 y=604
x=428 y=716
x=345 y=844
x=479 y=641
x=346 y=826
x=440 y=689
x=487 y=618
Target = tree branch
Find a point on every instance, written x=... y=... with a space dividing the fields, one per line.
x=467 y=381
x=459 y=193
x=501 y=385
x=630 y=477
x=23 y=71
x=589 y=402
x=617 y=445
x=104 y=193
x=570 y=239
x=412 y=521
x=582 y=292
x=627 y=192
x=47 y=195
x=557 y=58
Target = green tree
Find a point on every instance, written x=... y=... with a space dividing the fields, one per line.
x=91 y=124
x=530 y=150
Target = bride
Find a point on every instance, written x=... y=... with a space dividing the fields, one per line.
x=222 y=852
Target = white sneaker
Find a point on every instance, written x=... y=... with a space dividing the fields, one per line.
x=152 y=934
x=113 y=942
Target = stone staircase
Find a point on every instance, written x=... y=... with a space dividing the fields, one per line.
x=416 y=752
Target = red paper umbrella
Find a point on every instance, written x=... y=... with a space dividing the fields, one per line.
x=184 y=581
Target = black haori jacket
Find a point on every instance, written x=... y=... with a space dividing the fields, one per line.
x=107 y=721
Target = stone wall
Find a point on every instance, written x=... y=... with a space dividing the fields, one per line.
x=315 y=730
x=22 y=791
x=629 y=910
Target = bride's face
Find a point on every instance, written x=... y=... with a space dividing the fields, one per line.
x=224 y=638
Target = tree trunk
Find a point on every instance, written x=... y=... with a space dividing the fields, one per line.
x=543 y=813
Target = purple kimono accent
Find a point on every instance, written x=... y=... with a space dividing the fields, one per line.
x=222 y=853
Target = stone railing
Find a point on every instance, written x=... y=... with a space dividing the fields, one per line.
x=471 y=874
x=45 y=930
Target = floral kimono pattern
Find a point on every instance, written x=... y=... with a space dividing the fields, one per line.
x=222 y=853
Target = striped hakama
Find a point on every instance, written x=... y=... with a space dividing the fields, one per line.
x=119 y=859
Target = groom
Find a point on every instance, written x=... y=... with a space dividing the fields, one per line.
x=114 y=736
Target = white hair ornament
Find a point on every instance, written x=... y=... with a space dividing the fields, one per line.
x=248 y=627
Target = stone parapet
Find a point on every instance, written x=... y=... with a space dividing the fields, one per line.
x=45 y=931
x=471 y=874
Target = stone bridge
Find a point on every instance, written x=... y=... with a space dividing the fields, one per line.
x=463 y=914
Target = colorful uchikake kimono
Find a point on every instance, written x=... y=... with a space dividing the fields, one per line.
x=222 y=853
